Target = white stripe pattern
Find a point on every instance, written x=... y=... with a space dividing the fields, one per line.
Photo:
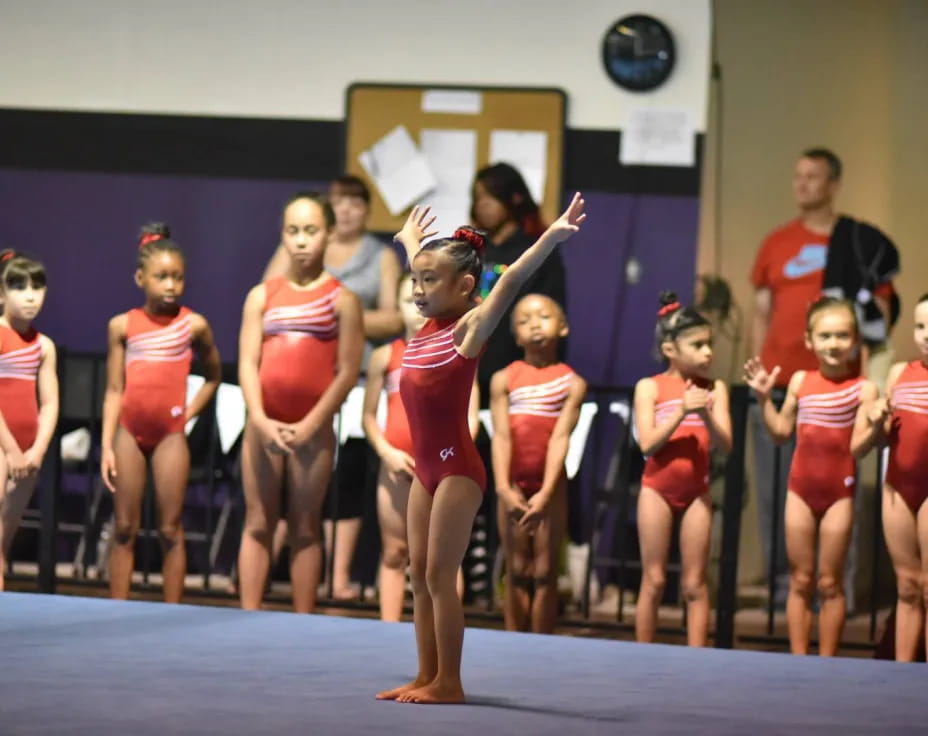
x=835 y=410
x=432 y=351
x=911 y=397
x=665 y=410
x=541 y=400
x=22 y=364
x=312 y=319
x=168 y=344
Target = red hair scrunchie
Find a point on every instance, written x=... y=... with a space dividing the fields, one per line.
x=149 y=238
x=7 y=256
x=473 y=237
x=668 y=308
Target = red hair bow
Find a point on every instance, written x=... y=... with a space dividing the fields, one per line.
x=7 y=256
x=149 y=238
x=668 y=308
x=473 y=237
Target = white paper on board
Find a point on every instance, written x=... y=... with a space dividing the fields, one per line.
x=398 y=169
x=526 y=150
x=454 y=101
x=658 y=137
x=452 y=156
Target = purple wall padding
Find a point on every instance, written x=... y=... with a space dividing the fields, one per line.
x=84 y=226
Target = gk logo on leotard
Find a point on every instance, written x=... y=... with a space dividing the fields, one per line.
x=446 y=453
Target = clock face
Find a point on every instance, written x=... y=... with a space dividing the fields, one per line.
x=638 y=52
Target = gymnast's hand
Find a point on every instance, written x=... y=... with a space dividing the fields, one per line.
x=416 y=228
x=879 y=411
x=756 y=376
x=537 y=506
x=569 y=222
x=695 y=399
x=398 y=463
x=514 y=501
x=276 y=437
x=108 y=468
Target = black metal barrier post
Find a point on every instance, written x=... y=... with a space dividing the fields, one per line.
x=731 y=521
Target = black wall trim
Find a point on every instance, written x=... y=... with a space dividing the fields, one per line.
x=305 y=150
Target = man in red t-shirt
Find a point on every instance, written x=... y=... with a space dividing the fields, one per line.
x=787 y=277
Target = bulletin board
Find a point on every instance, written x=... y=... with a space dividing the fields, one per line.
x=538 y=115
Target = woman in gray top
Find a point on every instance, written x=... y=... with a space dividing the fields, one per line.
x=370 y=269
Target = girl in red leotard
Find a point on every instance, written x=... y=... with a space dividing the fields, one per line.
x=299 y=356
x=438 y=370
x=837 y=417
x=905 y=513
x=535 y=404
x=679 y=415
x=393 y=444
x=145 y=408
x=28 y=391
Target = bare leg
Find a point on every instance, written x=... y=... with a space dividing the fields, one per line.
x=309 y=469
x=170 y=464
x=392 y=500
x=456 y=502
x=127 y=510
x=801 y=530
x=262 y=475
x=14 y=497
x=655 y=528
x=418 y=517
x=695 y=538
x=347 y=532
x=547 y=548
x=279 y=540
x=901 y=533
x=517 y=551
x=922 y=521
x=834 y=538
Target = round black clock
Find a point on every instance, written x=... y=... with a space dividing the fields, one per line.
x=638 y=53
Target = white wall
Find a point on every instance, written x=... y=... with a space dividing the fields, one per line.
x=293 y=58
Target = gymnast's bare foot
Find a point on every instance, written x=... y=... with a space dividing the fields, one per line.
x=396 y=692
x=435 y=692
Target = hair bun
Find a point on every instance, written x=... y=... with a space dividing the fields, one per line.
x=472 y=236
x=669 y=303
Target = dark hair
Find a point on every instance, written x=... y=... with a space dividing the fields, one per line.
x=327 y=211
x=464 y=249
x=557 y=307
x=155 y=237
x=17 y=271
x=829 y=157
x=505 y=183
x=349 y=186
x=673 y=319
x=922 y=298
x=831 y=302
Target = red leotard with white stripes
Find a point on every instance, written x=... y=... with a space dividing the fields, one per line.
x=158 y=358
x=823 y=470
x=536 y=398
x=679 y=471
x=907 y=470
x=397 y=430
x=300 y=348
x=20 y=357
x=436 y=383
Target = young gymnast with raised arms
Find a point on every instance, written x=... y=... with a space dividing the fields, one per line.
x=837 y=417
x=145 y=408
x=905 y=513
x=299 y=355
x=435 y=383
x=535 y=403
x=28 y=391
x=680 y=415
x=393 y=444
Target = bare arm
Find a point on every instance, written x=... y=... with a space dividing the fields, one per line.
x=501 y=444
x=652 y=437
x=475 y=328
x=871 y=416
x=385 y=321
x=212 y=365
x=560 y=439
x=249 y=351
x=47 y=384
x=112 y=399
x=473 y=411
x=761 y=320
x=718 y=418
x=781 y=424
x=278 y=264
x=891 y=379
x=347 y=367
x=376 y=373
